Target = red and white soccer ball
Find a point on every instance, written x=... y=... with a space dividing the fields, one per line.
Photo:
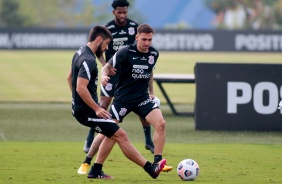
x=188 y=169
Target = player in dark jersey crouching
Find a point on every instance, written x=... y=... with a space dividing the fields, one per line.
x=135 y=64
x=83 y=80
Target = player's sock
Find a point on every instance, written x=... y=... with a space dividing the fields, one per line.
x=147 y=132
x=98 y=167
x=90 y=137
x=157 y=158
x=87 y=160
x=147 y=167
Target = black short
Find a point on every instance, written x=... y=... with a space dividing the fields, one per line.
x=109 y=89
x=119 y=110
x=106 y=127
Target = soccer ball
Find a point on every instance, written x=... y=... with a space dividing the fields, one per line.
x=188 y=169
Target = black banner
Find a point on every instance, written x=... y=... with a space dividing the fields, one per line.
x=42 y=38
x=223 y=41
x=164 y=40
x=238 y=96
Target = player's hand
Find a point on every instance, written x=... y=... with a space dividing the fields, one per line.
x=112 y=71
x=105 y=80
x=152 y=96
x=102 y=113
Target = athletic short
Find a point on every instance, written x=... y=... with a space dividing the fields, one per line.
x=119 y=110
x=109 y=89
x=107 y=127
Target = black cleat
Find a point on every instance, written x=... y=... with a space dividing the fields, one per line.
x=94 y=174
x=157 y=168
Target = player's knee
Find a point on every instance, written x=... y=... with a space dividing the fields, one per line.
x=160 y=126
x=121 y=135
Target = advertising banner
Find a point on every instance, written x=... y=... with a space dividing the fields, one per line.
x=164 y=40
x=238 y=96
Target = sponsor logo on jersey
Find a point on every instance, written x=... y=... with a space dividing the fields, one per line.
x=143 y=58
x=122 y=111
x=131 y=31
x=120 y=39
x=114 y=33
x=135 y=57
x=141 y=66
x=138 y=72
x=122 y=32
x=109 y=87
x=151 y=60
x=118 y=42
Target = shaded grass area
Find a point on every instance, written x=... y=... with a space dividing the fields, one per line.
x=54 y=122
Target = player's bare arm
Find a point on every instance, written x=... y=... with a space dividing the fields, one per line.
x=150 y=86
x=86 y=97
x=102 y=60
x=107 y=70
x=69 y=78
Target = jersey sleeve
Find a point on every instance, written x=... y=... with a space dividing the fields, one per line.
x=119 y=57
x=85 y=69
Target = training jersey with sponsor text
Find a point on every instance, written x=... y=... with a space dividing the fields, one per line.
x=135 y=69
x=84 y=65
x=122 y=36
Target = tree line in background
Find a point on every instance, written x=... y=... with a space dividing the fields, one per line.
x=51 y=13
x=229 y=14
x=247 y=14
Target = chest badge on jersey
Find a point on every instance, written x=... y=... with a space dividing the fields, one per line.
x=122 y=111
x=131 y=31
x=151 y=60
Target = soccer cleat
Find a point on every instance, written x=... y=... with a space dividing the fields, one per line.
x=167 y=168
x=85 y=147
x=150 y=147
x=83 y=168
x=93 y=174
x=157 y=168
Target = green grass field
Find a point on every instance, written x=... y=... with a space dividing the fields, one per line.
x=40 y=142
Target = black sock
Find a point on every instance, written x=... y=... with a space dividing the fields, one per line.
x=98 y=167
x=147 y=167
x=147 y=132
x=87 y=160
x=157 y=158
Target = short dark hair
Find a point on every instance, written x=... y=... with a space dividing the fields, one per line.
x=99 y=31
x=145 y=28
x=119 y=3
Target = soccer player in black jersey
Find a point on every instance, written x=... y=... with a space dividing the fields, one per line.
x=83 y=81
x=123 y=31
x=135 y=64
